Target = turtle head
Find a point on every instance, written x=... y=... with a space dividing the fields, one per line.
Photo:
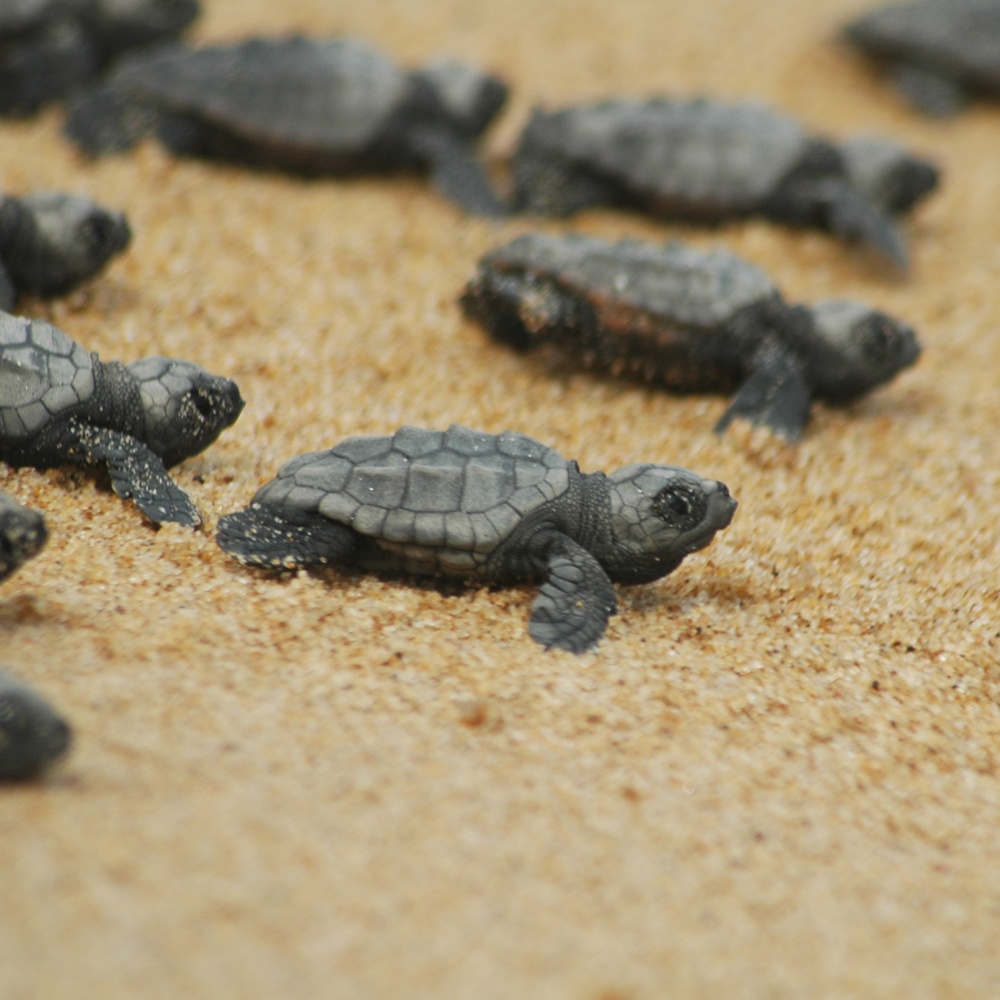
x=22 y=535
x=856 y=348
x=73 y=238
x=470 y=98
x=185 y=408
x=889 y=174
x=659 y=515
x=32 y=735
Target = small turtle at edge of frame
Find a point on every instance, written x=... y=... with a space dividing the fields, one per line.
x=60 y=405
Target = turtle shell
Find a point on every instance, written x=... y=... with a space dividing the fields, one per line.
x=18 y=16
x=959 y=38
x=43 y=375
x=331 y=95
x=442 y=501
x=693 y=155
x=677 y=283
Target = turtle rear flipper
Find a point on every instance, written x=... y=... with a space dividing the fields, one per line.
x=776 y=395
x=259 y=536
x=576 y=601
x=456 y=173
x=106 y=118
x=138 y=473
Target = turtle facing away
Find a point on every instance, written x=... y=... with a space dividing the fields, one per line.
x=492 y=508
x=22 y=534
x=32 y=735
x=306 y=105
x=939 y=52
x=50 y=47
x=51 y=242
x=688 y=320
x=699 y=160
x=61 y=405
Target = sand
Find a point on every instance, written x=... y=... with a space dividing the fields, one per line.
x=776 y=776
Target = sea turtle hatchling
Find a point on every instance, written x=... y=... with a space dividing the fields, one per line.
x=687 y=319
x=32 y=735
x=492 y=508
x=49 y=47
x=22 y=534
x=938 y=52
x=51 y=242
x=699 y=160
x=61 y=405
x=306 y=105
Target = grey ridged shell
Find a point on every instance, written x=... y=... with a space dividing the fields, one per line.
x=695 y=151
x=446 y=498
x=43 y=373
x=696 y=288
x=335 y=94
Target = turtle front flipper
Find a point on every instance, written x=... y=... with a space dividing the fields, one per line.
x=577 y=599
x=837 y=206
x=852 y=216
x=776 y=394
x=456 y=173
x=139 y=473
x=259 y=536
x=928 y=92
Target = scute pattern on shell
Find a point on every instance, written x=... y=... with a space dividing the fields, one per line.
x=42 y=373
x=649 y=145
x=297 y=90
x=448 y=498
x=692 y=286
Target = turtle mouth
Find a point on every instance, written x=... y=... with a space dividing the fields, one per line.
x=721 y=510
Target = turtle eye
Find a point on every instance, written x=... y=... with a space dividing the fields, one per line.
x=679 y=505
x=202 y=402
x=877 y=340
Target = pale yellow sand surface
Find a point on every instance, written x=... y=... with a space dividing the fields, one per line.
x=776 y=776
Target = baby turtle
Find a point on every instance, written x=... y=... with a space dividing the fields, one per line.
x=51 y=242
x=492 y=508
x=22 y=534
x=687 y=319
x=32 y=736
x=300 y=104
x=50 y=47
x=699 y=160
x=61 y=405
x=939 y=52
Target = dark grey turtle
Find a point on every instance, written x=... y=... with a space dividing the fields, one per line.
x=51 y=242
x=61 y=405
x=22 y=534
x=50 y=47
x=493 y=508
x=32 y=736
x=306 y=105
x=700 y=160
x=689 y=320
x=939 y=52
